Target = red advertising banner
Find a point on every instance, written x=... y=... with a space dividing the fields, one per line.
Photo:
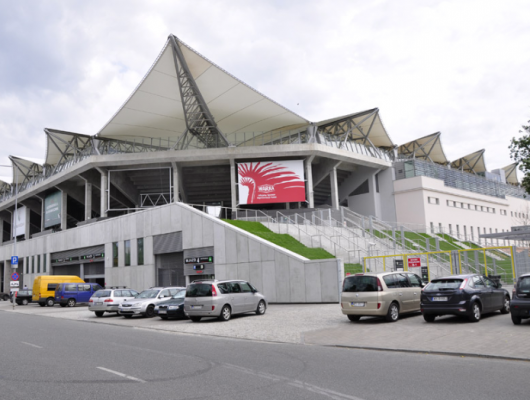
x=414 y=262
x=271 y=182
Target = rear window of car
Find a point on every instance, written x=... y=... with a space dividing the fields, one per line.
x=524 y=285
x=199 y=290
x=443 y=284
x=102 y=293
x=360 y=284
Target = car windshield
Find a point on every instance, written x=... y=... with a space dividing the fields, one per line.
x=102 y=293
x=148 y=294
x=524 y=285
x=180 y=294
x=443 y=284
x=360 y=284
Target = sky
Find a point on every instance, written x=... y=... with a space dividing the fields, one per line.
x=458 y=67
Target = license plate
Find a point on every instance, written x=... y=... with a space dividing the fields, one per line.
x=439 y=299
x=196 y=306
x=162 y=311
x=99 y=304
x=357 y=304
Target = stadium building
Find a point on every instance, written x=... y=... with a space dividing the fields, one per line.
x=141 y=202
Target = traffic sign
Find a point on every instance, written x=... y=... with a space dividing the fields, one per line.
x=14 y=276
x=14 y=284
x=14 y=260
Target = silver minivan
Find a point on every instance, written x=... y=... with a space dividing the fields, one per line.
x=222 y=299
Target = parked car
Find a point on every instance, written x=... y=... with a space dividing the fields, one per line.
x=386 y=294
x=222 y=299
x=71 y=293
x=520 y=304
x=44 y=287
x=469 y=295
x=4 y=296
x=172 y=308
x=144 y=303
x=109 y=300
x=24 y=297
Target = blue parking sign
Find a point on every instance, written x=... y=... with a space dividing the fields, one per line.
x=14 y=260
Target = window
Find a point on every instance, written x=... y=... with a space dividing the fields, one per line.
x=164 y=293
x=432 y=227
x=140 y=251
x=70 y=287
x=465 y=232
x=471 y=231
x=358 y=284
x=477 y=282
x=450 y=229
x=245 y=288
x=470 y=206
x=115 y=254
x=52 y=287
x=38 y=264
x=32 y=264
x=377 y=183
x=415 y=280
x=224 y=288
x=127 y=253
x=27 y=265
x=511 y=212
x=493 y=210
x=402 y=281
x=434 y=200
x=391 y=282
x=84 y=288
x=440 y=227
x=44 y=263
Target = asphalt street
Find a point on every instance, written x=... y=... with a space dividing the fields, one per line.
x=56 y=358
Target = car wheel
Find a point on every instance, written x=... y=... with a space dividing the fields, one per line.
x=42 y=304
x=393 y=313
x=261 y=308
x=50 y=302
x=429 y=317
x=25 y=302
x=150 y=311
x=226 y=313
x=5 y=298
x=127 y=316
x=71 y=303
x=475 y=312
x=164 y=317
x=195 y=319
x=354 y=318
x=99 y=313
x=506 y=307
x=516 y=320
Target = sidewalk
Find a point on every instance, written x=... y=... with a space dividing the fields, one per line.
x=323 y=324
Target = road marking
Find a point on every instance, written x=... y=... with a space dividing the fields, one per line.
x=132 y=378
x=32 y=345
x=302 y=385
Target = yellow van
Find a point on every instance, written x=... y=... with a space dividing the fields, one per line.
x=44 y=287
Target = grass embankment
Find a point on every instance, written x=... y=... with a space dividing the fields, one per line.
x=282 y=240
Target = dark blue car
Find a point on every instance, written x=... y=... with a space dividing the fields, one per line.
x=69 y=294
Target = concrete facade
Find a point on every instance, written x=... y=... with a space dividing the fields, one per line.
x=283 y=276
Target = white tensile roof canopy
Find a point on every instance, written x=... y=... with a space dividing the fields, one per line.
x=473 y=162
x=428 y=148
x=155 y=109
x=510 y=172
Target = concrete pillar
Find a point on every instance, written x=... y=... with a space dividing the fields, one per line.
x=64 y=211
x=27 y=233
x=309 y=182
x=233 y=186
x=176 y=183
x=104 y=198
x=88 y=201
x=334 y=189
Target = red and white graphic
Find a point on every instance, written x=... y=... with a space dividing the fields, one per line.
x=414 y=262
x=271 y=182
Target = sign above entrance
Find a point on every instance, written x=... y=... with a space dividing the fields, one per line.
x=194 y=260
x=271 y=182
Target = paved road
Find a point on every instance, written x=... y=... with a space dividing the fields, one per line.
x=57 y=358
x=323 y=324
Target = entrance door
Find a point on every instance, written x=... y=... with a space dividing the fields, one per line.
x=170 y=269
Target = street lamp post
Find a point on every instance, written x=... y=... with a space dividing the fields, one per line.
x=14 y=230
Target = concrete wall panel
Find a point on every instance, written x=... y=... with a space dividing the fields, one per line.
x=242 y=248
x=297 y=281
x=269 y=280
x=207 y=233
x=313 y=283
x=283 y=289
x=219 y=244
x=243 y=271
x=256 y=275
x=329 y=279
x=231 y=246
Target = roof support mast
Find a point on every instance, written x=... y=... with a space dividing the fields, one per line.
x=199 y=121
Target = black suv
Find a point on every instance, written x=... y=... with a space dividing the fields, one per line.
x=520 y=304
x=468 y=295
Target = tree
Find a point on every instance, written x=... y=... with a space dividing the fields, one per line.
x=520 y=153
